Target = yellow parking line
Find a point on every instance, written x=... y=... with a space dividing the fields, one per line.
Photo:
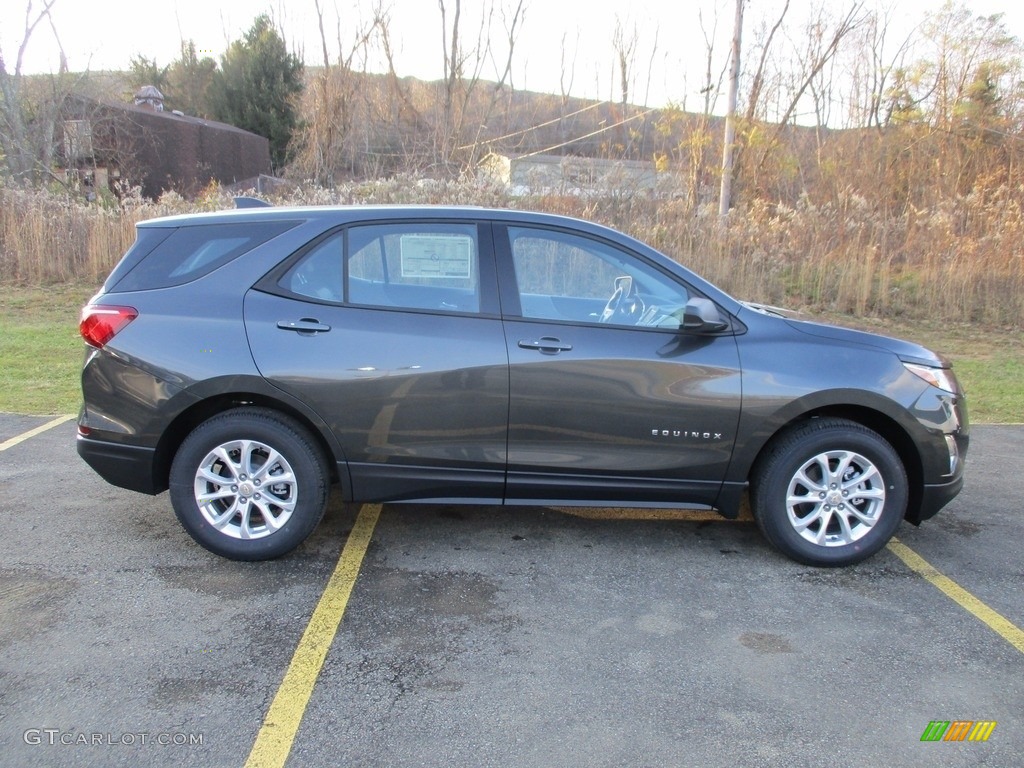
x=33 y=432
x=274 y=741
x=1006 y=629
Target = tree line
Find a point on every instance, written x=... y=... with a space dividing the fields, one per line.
x=830 y=102
x=875 y=174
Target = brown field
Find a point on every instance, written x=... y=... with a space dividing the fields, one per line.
x=962 y=261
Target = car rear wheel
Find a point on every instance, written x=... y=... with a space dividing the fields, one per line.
x=249 y=484
x=830 y=492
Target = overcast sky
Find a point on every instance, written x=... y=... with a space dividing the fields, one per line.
x=106 y=34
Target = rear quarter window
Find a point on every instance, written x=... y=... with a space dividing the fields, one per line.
x=188 y=253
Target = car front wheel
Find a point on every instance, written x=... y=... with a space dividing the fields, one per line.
x=249 y=484
x=829 y=493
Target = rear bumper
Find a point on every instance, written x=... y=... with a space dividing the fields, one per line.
x=126 y=466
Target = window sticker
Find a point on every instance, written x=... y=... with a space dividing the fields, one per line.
x=437 y=256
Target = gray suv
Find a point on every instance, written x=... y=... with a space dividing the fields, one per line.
x=247 y=360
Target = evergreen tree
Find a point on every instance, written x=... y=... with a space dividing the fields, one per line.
x=981 y=105
x=256 y=87
x=145 y=71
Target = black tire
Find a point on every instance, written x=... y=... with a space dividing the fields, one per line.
x=249 y=484
x=820 y=475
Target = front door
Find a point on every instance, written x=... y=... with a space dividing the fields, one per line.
x=609 y=400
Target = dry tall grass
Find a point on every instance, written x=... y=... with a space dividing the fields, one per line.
x=963 y=259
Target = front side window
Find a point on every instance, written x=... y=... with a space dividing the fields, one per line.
x=406 y=266
x=566 y=277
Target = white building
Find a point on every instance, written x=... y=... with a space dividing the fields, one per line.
x=569 y=175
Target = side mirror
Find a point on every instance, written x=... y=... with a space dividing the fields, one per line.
x=701 y=315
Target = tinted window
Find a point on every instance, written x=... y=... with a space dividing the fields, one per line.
x=146 y=239
x=404 y=266
x=189 y=253
x=319 y=273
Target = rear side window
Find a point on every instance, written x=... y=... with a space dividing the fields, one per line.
x=188 y=253
x=146 y=239
x=431 y=265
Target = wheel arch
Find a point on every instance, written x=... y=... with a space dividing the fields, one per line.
x=885 y=425
x=878 y=414
x=198 y=412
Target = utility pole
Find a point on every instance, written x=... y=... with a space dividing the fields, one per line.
x=725 y=194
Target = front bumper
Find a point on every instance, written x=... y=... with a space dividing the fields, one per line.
x=935 y=497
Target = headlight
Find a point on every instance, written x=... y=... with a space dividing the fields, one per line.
x=942 y=378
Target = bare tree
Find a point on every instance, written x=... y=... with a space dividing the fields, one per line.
x=757 y=81
x=27 y=143
x=821 y=47
x=626 y=45
x=958 y=45
x=453 y=57
x=872 y=72
x=566 y=78
x=394 y=108
x=462 y=113
x=712 y=88
x=323 y=143
x=971 y=62
x=512 y=20
x=699 y=139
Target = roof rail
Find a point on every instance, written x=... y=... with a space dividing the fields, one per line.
x=251 y=202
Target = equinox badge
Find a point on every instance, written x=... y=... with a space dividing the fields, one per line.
x=685 y=433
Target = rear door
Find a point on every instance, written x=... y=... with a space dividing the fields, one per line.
x=391 y=333
x=608 y=399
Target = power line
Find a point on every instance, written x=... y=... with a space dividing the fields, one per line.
x=534 y=127
x=588 y=135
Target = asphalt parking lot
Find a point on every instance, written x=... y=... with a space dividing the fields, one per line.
x=498 y=636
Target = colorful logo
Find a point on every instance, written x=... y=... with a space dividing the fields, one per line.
x=958 y=730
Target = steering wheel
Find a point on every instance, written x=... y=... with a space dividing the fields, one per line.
x=625 y=306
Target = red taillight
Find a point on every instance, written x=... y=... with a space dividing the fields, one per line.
x=102 y=323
